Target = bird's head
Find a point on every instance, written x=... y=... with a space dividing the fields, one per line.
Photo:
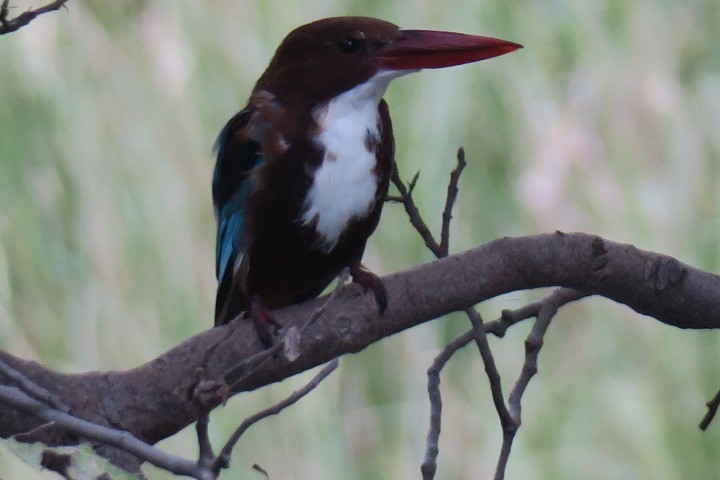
x=325 y=58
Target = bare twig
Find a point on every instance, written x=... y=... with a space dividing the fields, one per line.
x=243 y=369
x=548 y=308
x=261 y=470
x=205 y=455
x=223 y=459
x=479 y=334
x=32 y=388
x=712 y=411
x=450 y=203
x=411 y=209
x=8 y=25
x=561 y=296
x=17 y=399
x=440 y=249
x=429 y=465
x=510 y=418
x=491 y=370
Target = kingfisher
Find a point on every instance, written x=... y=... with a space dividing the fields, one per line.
x=303 y=170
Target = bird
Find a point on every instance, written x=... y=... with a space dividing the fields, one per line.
x=303 y=170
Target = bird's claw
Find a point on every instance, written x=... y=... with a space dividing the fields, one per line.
x=266 y=326
x=369 y=280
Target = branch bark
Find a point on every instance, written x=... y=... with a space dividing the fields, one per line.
x=8 y=25
x=152 y=401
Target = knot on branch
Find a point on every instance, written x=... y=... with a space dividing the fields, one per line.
x=599 y=257
x=664 y=272
x=206 y=393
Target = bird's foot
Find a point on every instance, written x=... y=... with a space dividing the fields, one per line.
x=265 y=324
x=369 y=280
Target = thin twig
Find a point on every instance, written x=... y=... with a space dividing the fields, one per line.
x=4 y=11
x=712 y=411
x=30 y=436
x=32 y=388
x=509 y=318
x=497 y=327
x=242 y=369
x=491 y=370
x=8 y=25
x=479 y=334
x=223 y=459
x=534 y=342
x=549 y=306
x=205 y=455
x=412 y=211
x=17 y=399
x=452 y=194
x=429 y=465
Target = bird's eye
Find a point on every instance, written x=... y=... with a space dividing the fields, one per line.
x=350 y=45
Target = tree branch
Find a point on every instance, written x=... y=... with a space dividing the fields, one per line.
x=712 y=411
x=223 y=460
x=650 y=283
x=8 y=25
x=559 y=297
x=124 y=440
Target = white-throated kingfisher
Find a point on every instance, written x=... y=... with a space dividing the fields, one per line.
x=303 y=170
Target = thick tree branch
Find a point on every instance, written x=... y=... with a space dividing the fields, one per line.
x=152 y=401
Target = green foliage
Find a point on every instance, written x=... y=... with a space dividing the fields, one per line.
x=607 y=122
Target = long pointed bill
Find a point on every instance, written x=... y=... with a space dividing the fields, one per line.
x=417 y=49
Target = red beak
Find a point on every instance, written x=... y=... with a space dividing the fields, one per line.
x=417 y=49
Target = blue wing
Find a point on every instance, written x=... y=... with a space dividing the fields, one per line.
x=237 y=156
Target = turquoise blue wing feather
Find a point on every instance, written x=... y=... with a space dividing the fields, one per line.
x=237 y=156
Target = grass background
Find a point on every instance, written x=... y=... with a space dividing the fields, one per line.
x=607 y=122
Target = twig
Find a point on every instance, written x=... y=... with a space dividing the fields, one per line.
x=429 y=465
x=497 y=327
x=205 y=455
x=8 y=25
x=32 y=388
x=441 y=249
x=491 y=370
x=450 y=203
x=223 y=459
x=411 y=209
x=548 y=308
x=30 y=436
x=479 y=334
x=712 y=411
x=17 y=399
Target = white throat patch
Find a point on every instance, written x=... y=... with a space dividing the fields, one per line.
x=344 y=184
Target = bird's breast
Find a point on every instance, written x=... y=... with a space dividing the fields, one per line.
x=344 y=185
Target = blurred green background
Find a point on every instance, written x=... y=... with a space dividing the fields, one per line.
x=607 y=122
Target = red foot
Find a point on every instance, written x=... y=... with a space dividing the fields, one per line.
x=369 y=280
x=265 y=324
